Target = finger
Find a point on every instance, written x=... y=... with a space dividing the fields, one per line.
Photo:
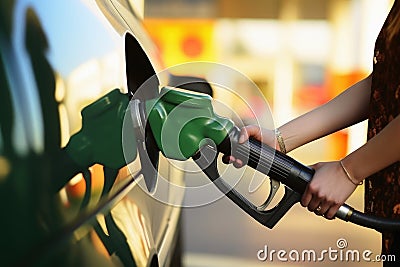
x=228 y=159
x=314 y=204
x=324 y=207
x=238 y=163
x=243 y=135
x=331 y=213
x=306 y=198
x=248 y=131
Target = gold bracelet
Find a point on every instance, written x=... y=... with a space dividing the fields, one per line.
x=281 y=143
x=348 y=175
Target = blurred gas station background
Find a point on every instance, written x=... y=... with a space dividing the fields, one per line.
x=300 y=54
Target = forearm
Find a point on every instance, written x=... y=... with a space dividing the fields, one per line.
x=346 y=109
x=378 y=153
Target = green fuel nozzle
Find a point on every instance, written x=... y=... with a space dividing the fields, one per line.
x=100 y=138
x=183 y=121
x=182 y=124
x=98 y=141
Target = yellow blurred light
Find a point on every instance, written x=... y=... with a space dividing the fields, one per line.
x=5 y=168
x=60 y=89
x=183 y=40
x=76 y=179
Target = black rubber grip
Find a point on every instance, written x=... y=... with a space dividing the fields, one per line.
x=269 y=161
x=275 y=164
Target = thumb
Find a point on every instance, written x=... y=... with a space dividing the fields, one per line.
x=249 y=131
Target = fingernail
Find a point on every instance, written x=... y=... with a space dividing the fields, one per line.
x=241 y=139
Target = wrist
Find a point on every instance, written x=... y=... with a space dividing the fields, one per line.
x=350 y=172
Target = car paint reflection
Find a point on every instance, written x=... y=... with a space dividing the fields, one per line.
x=56 y=58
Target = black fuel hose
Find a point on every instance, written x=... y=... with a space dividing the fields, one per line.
x=295 y=175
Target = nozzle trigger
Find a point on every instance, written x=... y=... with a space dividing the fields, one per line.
x=274 y=186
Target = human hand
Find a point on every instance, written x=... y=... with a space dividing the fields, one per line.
x=328 y=190
x=263 y=135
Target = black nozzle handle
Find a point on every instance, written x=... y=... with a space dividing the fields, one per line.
x=268 y=160
x=294 y=175
x=206 y=159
